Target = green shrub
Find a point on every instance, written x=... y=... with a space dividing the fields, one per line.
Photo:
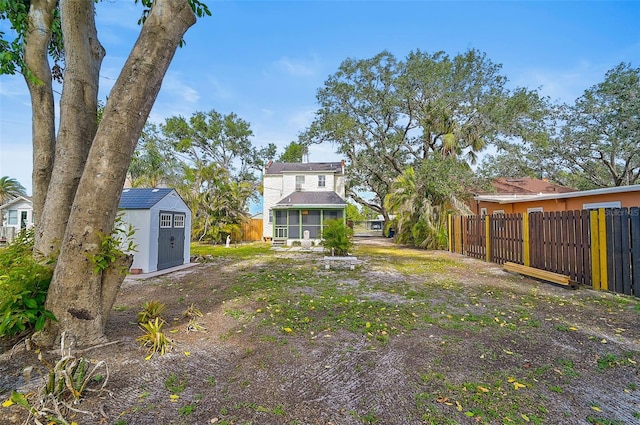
x=337 y=237
x=23 y=288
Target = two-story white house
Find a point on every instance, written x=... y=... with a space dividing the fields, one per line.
x=299 y=197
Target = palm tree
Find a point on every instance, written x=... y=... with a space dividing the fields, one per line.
x=422 y=199
x=9 y=189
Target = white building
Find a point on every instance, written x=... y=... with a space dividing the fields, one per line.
x=162 y=223
x=299 y=197
x=16 y=214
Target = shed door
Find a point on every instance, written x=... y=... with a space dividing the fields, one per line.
x=171 y=240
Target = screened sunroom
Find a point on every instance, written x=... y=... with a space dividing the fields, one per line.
x=305 y=211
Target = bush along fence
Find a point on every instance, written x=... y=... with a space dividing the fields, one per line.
x=599 y=248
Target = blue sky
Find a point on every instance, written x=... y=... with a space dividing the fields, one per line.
x=265 y=60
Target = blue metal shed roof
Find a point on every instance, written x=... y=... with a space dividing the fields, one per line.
x=141 y=199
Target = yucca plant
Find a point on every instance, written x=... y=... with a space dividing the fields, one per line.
x=192 y=312
x=151 y=310
x=154 y=338
x=195 y=326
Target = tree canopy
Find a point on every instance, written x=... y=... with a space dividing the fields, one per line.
x=294 y=152
x=9 y=189
x=210 y=160
x=593 y=143
x=422 y=197
x=385 y=115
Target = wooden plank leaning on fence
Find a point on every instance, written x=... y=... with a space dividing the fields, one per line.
x=540 y=274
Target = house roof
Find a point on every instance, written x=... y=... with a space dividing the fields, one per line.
x=298 y=167
x=142 y=198
x=507 y=199
x=525 y=186
x=312 y=199
x=15 y=200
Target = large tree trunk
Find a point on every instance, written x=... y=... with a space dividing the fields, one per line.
x=78 y=119
x=76 y=293
x=39 y=82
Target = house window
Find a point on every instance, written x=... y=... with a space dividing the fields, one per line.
x=596 y=205
x=299 y=182
x=270 y=216
x=483 y=212
x=13 y=217
x=534 y=209
x=178 y=221
x=321 y=181
x=165 y=221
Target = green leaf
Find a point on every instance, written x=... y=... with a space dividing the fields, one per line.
x=20 y=399
x=30 y=303
x=40 y=323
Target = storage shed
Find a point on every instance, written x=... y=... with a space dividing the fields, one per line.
x=162 y=223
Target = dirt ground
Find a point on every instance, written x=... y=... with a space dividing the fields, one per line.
x=483 y=346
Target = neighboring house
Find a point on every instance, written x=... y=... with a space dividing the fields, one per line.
x=17 y=214
x=533 y=195
x=299 y=197
x=377 y=225
x=162 y=223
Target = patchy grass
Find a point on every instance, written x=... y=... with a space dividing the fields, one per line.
x=234 y=251
x=409 y=336
x=292 y=299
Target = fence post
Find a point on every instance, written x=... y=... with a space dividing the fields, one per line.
x=487 y=232
x=526 y=255
x=598 y=227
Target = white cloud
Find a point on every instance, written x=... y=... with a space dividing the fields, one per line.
x=118 y=13
x=14 y=86
x=218 y=90
x=298 y=67
x=324 y=152
x=175 y=86
x=302 y=119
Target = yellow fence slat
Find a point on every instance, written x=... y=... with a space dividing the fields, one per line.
x=602 y=232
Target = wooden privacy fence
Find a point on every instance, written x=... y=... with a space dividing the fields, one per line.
x=251 y=231
x=600 y=248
